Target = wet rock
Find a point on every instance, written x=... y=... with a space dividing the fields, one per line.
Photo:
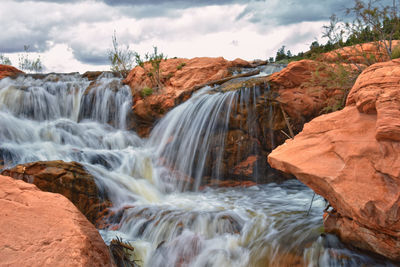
x=180 y=78
x=93 y=75
x=228 y=183
x=351 y=158
x=8 y=71
x=44 y=229
x=69 y=179
x=246 y=167
x=269 y=109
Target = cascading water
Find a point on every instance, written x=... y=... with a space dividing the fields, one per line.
x=67 y=117
x=191 y=138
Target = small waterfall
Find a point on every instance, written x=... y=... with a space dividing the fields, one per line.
x=191 y=139
x=183 y=137
x=68 y=117
x=69 y=96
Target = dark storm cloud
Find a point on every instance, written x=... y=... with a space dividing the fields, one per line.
x=281 y=12
x=292 y=11
x=91 y=56
x=149 y=8
x=257 y=11
x=177 y=3
x=16 y=43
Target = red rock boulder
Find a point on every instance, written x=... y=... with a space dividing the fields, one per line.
x=44 y=229
x=7 y=70
x=352 y=158
x=69 y=179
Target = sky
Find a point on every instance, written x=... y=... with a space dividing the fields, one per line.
x=76 y=35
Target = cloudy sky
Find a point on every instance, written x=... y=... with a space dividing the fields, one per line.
x=75 y=35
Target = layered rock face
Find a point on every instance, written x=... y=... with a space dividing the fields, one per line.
x=352 y=158
x=69 y=179
x=6 y=71
x=300 y=97
x=44 y=229
x=180 y=78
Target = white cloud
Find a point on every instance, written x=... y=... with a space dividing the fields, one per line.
x=76 y=36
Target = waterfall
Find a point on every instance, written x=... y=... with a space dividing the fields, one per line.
x=68 y=117
x=190 y=139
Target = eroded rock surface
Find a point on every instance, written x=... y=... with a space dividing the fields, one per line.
x=352 y=158
x=7 y=70
x=180 y=78
x=45 y=229
x=69 y=179
x=366 y=53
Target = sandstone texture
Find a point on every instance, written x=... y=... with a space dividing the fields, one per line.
x=7 y=70
x=352 y=158
x=366 y=53
x=44 y=229
x=300 y=98
x=69 y=179
x=180 y=78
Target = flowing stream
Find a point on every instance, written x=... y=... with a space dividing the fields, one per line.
x=67 y=117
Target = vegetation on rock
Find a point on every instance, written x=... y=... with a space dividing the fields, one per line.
x=154 y=59
x=147 y=91
x=28 y=64
x=25 y=62
x=4 y=60
x=121 y=58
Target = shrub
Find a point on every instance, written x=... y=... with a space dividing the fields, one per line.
x=180 y=66
x=376 y=21
x=155 y=60
x=147 y=91
x=27 y=64
x=396 y=52
x=121 y=59
x=333 y=78
x=4 y=60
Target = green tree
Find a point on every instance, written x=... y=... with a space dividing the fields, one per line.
x=281 y=54
x=373 y=21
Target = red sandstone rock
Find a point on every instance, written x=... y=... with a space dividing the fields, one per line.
x=7 y=70
x=44 y=229
x=246 y=167
x=377 y=91
x=180 y=78
x=367 y=53
x=69 y=179
x=303 y=93
x=299 y=97
x=352 y=158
